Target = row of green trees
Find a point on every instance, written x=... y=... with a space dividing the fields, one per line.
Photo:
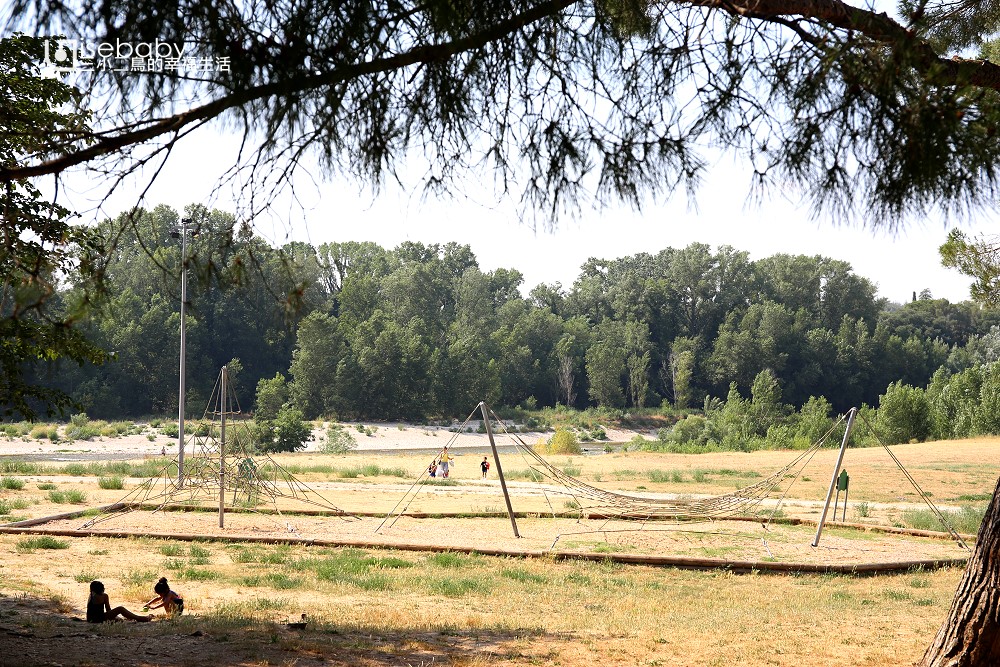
x=360 y=331
x=954 y=405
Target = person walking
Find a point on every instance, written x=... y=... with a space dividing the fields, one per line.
x=445 y=462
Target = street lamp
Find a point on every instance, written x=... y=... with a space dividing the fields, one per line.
x=186 y=227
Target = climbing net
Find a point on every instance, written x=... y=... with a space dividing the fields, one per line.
x=601 y=503
x=761 y=500
x=219 y=470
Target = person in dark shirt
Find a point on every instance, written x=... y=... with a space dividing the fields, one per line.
x=171 y=602
x=99 y=607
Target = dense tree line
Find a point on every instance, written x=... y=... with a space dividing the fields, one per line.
x=360 y=331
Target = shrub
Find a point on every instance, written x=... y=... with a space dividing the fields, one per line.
x=12 y=483
x=339 y=440
x=73 y=496
x=76 y=497
x=82 y=433
x=561 y=442
x=691 y=429
x=111 y=483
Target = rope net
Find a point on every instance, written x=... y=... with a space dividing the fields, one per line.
x=232 y=471
x=601 y=503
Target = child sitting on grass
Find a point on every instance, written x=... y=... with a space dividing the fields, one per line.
x=99 y=607
x=172 y=603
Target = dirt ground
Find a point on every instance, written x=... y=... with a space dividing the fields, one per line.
x=41 y=602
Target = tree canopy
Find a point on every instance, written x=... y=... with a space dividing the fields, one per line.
x=863 y=113
x=39 y=246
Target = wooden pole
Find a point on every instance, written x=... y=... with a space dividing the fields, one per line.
x=222 y=449
x=496 y=459
x=836 y=471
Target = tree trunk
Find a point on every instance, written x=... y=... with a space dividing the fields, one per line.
x=970 y=636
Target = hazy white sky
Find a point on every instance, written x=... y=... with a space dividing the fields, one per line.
x=335 y=211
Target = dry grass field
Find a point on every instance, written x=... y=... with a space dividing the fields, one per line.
x=367 y=606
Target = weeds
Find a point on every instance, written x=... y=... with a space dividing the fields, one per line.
x=71 y=496
x=111 y=483
x=966 y=520
x=41 y=542
x=529 y=474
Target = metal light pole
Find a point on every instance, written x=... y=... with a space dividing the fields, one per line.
x=183 y=231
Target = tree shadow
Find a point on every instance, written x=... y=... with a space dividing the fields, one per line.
x=43 y=631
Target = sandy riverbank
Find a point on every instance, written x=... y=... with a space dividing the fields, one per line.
x=375 y=437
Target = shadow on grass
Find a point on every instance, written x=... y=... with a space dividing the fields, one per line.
x=40 y=631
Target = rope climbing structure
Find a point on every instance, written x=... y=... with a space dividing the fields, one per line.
x=761 y=500
x=221 y=467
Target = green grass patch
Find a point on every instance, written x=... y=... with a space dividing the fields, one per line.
x=369 y=470
x=448 y=559
x=40 y=542
x=143 y=578
x=527 y=474
x=15 y=467
x=111 y=483
x=456 y=587
x=12 y=483
x=72 y=497
x=523 y=576
x=665 y=476
x=275 y=556
x=198 y=551
x=966 y=520
x=356 y=568
x=437 y=481
x=195 y=574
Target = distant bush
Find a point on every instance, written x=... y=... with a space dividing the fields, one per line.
x=338 y=440
x=81 y=428
x=18 y=430
x=12 y=483
x=116 y=429
x=561 y=442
